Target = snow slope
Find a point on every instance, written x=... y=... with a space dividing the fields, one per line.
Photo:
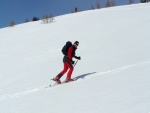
x=113 y=75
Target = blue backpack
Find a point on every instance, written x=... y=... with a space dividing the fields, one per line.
x=66 y=47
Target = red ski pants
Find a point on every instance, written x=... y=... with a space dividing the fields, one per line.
x=66 y=67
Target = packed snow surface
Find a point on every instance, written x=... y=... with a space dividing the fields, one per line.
x=113 y=75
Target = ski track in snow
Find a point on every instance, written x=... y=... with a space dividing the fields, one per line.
x=119 y=69
x=78 y=78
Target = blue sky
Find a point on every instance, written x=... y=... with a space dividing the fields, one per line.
x=19 y=10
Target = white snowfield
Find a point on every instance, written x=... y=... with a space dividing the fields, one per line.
x=113 y=75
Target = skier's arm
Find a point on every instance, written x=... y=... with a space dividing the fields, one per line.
x=70 y=53
x=79 y=58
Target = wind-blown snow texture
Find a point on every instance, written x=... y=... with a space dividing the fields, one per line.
x=113 y=75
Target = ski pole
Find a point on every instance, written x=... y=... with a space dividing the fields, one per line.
x=75 y=63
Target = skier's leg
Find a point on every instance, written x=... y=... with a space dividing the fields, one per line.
x=57 y=78
x=69 y=74
x=63 y=71
x=71 y=68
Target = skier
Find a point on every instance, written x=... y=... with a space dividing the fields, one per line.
x=68 y=63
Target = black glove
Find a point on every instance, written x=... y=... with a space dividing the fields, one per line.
x=73 y=62
x=79 y=58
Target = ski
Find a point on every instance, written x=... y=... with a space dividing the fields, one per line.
x=52 y=85
x=56 y=83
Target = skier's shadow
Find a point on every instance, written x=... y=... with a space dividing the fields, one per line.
x=83 y=76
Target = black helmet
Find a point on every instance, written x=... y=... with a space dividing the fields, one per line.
x=76 y=42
